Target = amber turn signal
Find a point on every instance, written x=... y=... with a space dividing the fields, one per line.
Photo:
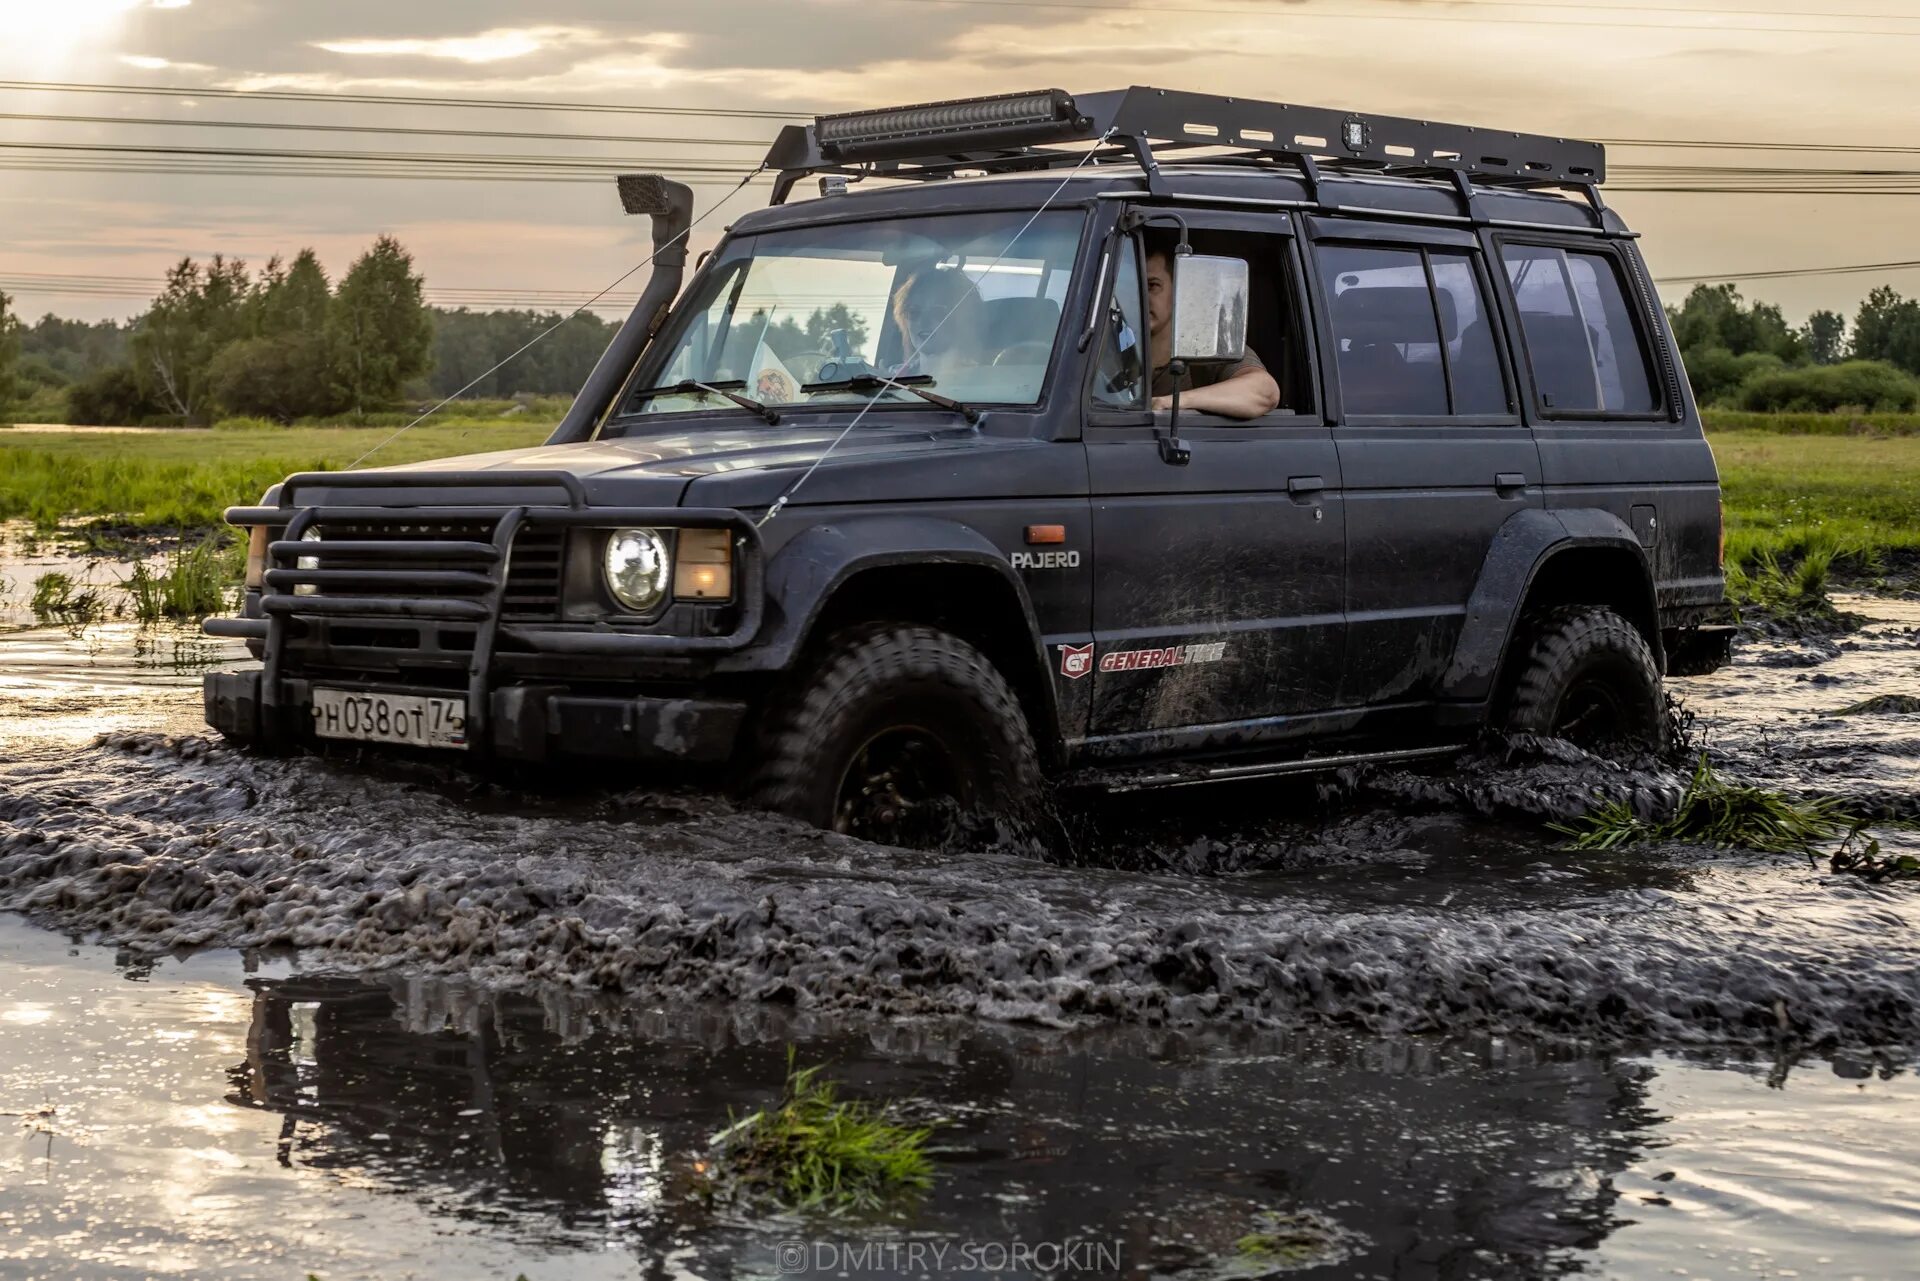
x=256 y=556
x=703 y=565
x=1039 y=535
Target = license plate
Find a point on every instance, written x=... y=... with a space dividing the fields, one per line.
x=421 y=720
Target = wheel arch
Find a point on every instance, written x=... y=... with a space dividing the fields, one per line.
x=1540 y=559
x=913 y=569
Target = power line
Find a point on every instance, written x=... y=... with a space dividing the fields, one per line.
x=392 y=174
x=167 y=122
x=1703 y=145
x=465 y=159
x=1787 y=273
x=1294 y=13
x=400 y=100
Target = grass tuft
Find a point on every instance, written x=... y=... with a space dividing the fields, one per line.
x=1717 y=812
x=1882 y=705
x=1285 y=1241
x=57 y=598
x=198 y=580
x=1860 y=856
x=815 y=1151
x=1797 y=590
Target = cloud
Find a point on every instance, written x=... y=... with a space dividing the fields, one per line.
x=497 y=45
x=148 y=63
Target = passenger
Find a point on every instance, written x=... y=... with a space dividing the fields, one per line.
x=1243 y=389
x=942 y=323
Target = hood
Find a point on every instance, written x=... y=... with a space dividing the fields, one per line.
x=742 y=465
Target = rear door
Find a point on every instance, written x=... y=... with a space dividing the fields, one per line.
x=1218 y=585
x=1433 y=454
x=1612 y=426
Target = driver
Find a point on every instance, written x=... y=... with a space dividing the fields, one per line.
x=942 y=323
x=1243 y=389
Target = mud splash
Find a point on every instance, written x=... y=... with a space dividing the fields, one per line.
x=162 y=843
x=1393 y=902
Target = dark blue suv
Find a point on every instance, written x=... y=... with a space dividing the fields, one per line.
x=896 y=510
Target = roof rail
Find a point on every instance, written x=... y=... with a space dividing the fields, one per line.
x=1019 y=132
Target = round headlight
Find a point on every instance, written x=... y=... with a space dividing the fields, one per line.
x=639 y=570
x=307 y=562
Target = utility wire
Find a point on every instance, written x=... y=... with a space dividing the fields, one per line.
x=787 y=494
x=181 y=122
x=682 y=234
x=1292 y=13
x=1785 y=273
x=397 y=174
x=470 y=159
x=399 y=100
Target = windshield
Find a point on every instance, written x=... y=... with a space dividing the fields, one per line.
x=966 y=304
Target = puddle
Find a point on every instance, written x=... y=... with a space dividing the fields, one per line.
x=214 y=1117
x=1390 y=1000
x=65 y=682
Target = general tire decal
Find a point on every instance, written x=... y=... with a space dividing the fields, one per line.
x=1077 y=660
x=1138 y=660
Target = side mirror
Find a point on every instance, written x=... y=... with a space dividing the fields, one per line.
x=1210 y=309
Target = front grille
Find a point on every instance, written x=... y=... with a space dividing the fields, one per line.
x=533 y=565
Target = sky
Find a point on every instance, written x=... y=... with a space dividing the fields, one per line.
x=77 y=241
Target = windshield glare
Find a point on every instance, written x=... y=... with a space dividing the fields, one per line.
x=970 y=301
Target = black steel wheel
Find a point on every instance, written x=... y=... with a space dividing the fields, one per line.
x=898 y=733
x=1587 y=675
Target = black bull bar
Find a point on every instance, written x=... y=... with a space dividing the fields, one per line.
x=480 y=578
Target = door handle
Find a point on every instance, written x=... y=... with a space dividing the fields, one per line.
x=1302 y=486
x=1509 y=484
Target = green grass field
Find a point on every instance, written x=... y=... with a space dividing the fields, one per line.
x=1816 y=485
x=183 y=479
x=1789 y=494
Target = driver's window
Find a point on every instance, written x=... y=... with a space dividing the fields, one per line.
x=1119 y=380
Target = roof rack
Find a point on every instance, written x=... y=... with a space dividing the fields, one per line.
x=1021 y=132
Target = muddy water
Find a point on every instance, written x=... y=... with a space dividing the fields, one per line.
x=205 y=1117
x=1389 y=999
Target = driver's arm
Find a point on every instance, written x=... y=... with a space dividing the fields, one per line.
x=1248 y=393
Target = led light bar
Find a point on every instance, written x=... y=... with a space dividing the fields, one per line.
x=964 y=124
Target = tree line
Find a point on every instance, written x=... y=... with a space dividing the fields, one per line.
x=1742 y=355
x=285 y=343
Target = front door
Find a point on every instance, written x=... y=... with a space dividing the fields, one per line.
x=1432 y=453
x=1218 y=584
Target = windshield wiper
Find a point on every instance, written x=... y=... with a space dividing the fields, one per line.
x=915 y=383
x=730 y=389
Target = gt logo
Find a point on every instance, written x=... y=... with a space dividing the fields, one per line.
x=1046 y=560
x=1076 y=661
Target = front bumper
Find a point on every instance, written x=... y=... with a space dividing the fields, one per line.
x=416 y=587
x=523 y=722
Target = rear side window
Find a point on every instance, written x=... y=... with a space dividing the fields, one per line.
x=1411 y=333
x=1384 y=331
x=1585 y=349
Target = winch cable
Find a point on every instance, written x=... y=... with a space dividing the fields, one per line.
x=516 y=353
x=911 y=356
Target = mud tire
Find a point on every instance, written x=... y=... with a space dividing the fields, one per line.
x=887 y=679
x=1587 y=675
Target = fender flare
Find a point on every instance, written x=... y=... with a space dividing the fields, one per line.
x=1519 y=551
x=806 y=573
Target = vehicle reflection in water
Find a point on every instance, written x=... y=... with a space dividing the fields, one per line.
x=1447 y=1160
x=410 y=1127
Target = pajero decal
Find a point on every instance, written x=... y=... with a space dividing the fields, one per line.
x=1137 y=660
x=1046 y=560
